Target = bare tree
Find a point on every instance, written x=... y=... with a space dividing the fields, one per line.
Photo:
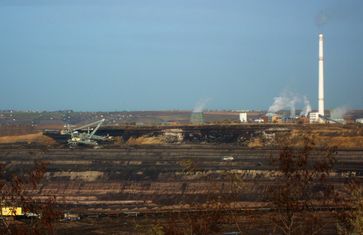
x=17 y=191
x=351 y=221
x=301 y=187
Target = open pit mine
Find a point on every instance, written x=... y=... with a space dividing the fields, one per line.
x=158 y=177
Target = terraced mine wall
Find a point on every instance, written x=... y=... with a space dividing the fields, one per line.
x=152 y=179
x=211 y=134
x=199 y=134
x=192 y=170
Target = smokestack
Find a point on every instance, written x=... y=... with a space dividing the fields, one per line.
x=321 y=75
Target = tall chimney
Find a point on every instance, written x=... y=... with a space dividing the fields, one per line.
x=321 y=75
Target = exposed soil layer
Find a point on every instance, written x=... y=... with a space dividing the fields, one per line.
x=155 y=178
x=156 y=173
x=190 y=134
x=27 y=138
x=250 y=135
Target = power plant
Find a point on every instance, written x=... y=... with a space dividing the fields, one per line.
x=288 y=100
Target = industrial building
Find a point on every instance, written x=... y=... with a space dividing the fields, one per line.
x=243 y=117
x=314 y=117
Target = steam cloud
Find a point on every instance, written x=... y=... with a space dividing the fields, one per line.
x=337 y=11
x=338 y=113
x=288 y=100
x=321 y=18
x=200 y=105
x=307 y=107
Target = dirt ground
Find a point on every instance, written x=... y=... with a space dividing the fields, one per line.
x=348 y=136
x=28 y=138
x=338 y=136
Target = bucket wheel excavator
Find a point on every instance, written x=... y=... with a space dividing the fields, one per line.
x=86 y=135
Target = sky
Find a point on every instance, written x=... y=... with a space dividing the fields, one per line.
x=116 y=55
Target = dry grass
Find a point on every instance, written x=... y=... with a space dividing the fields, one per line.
x=342 y=138
x=341 y=141
x=146 y=140
x=88 y=176
x=29 y=138
x=255 y=143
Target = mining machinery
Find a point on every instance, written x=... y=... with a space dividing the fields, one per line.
x=85 y=135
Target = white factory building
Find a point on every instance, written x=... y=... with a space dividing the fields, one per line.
x=314 y=117
x=243 y=117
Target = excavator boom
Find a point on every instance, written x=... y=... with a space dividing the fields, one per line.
x=98 y=123
x=85 y=138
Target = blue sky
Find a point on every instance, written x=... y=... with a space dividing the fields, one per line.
x=167 y=54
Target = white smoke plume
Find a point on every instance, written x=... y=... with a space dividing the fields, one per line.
x=339 y=112
x=286 y=100
x=321 y=18
x=200 y=105
x=335 y=12
x=307 y=107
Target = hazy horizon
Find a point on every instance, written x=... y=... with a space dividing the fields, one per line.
x=170 y=55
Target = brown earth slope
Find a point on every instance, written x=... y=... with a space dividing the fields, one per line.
x=28 y=138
